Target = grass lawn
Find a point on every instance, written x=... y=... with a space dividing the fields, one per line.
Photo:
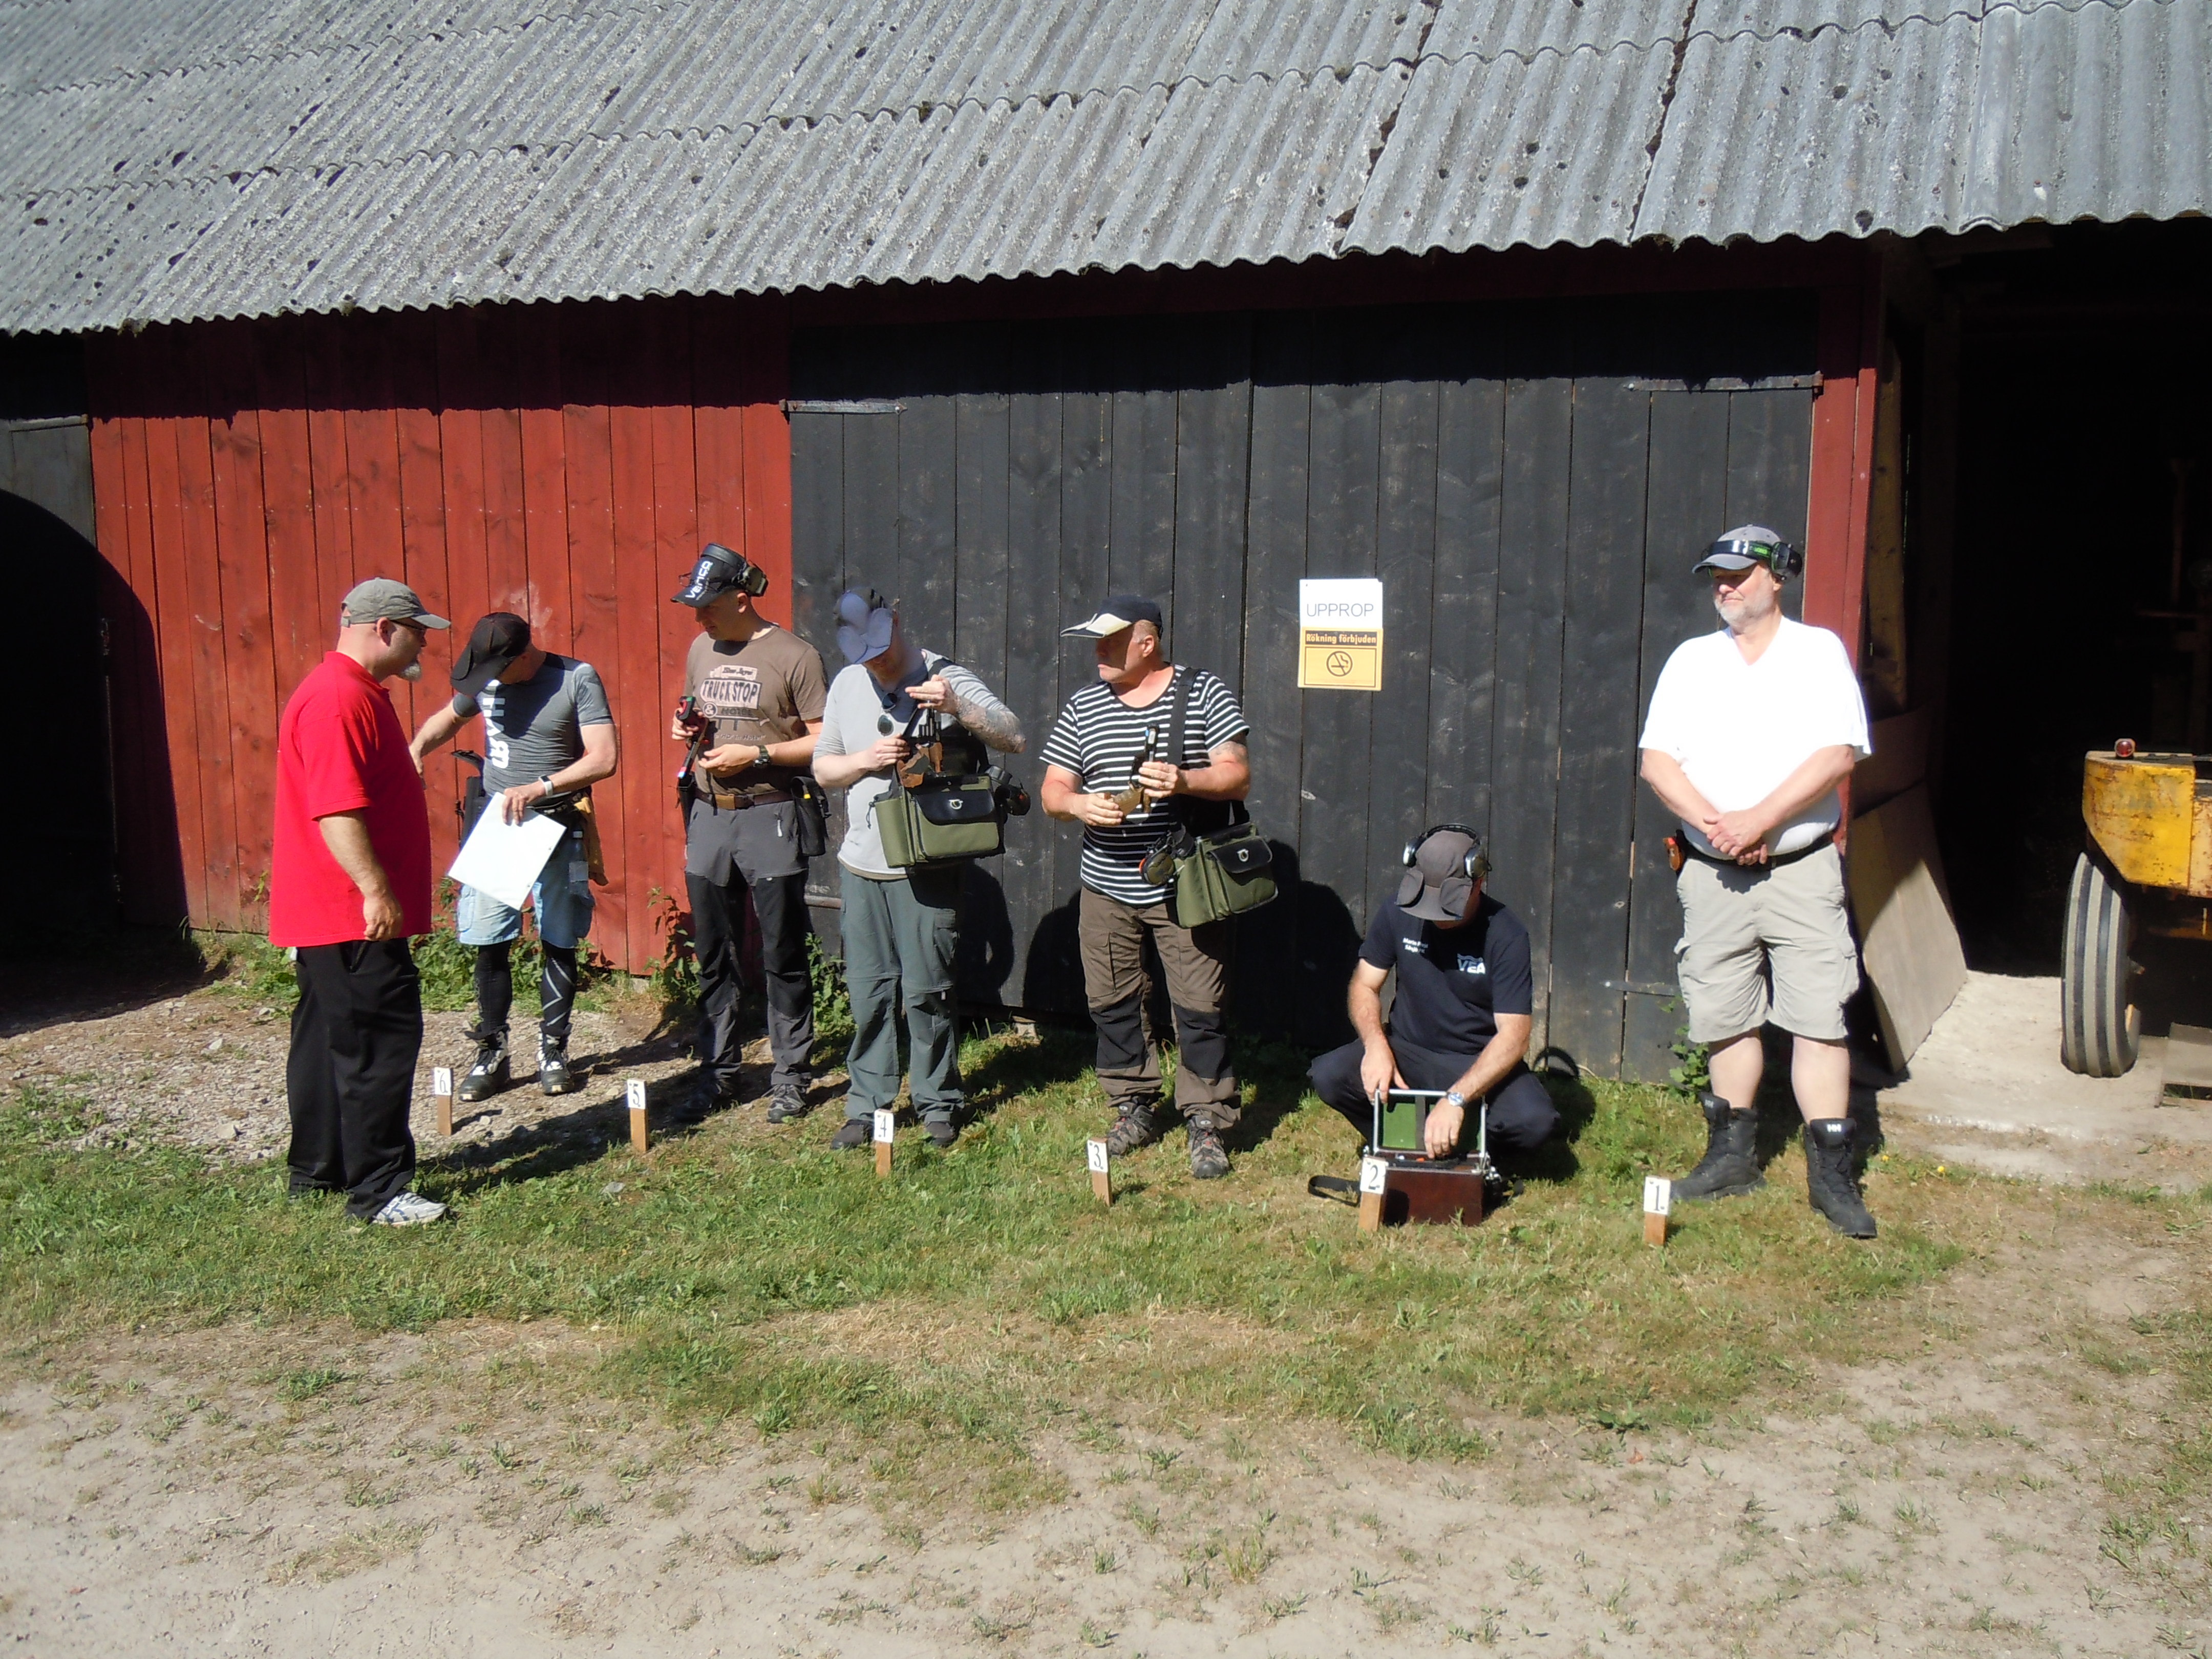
x=982 y=1294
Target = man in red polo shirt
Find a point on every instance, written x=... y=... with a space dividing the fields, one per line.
x=348 y=884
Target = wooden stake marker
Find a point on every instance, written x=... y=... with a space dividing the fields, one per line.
x=1372 y=1174
x=1658 y=1203
x=641 y=1134
x=1101 y=1170
x=441 y=1094
x=886 y=1122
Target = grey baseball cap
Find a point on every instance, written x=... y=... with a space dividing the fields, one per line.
x=1746 y=545
x=1441 y=871
x=380 y=600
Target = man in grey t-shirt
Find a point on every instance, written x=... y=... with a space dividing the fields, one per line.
x=901 y=927
x=548 y=733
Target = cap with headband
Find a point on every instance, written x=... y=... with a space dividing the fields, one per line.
x=1750 y=544
x=720 y=570
x=1437 y=888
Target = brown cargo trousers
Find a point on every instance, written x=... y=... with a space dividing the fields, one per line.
x=1111 y=934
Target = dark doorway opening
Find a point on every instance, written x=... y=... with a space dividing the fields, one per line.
x=59 y=836
x=57 y=840
x=2083 y=427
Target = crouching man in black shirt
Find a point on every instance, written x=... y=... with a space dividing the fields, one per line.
x=1463 y=1010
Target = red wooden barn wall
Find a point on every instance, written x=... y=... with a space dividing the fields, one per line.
x=565 y=462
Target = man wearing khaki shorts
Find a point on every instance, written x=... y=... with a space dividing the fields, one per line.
x=1750 y=730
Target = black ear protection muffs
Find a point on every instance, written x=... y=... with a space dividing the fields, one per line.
x=1472 y=868
x=743 y=572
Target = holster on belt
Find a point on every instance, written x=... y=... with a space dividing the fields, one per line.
x=592 y=855
x=1675 y=856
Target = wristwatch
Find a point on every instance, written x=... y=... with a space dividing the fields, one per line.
x=546 y=782
x=761 y=759
x=1453 y=1098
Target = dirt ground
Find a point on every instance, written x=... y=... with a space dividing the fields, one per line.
x=251 y=1491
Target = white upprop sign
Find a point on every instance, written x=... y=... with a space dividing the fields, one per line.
x=1341 y=634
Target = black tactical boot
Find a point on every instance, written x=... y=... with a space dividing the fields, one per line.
x=1729 y=1166
x=490 y=1074
x=1831 y=1181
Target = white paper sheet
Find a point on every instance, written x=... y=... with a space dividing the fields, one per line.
x=503 y=859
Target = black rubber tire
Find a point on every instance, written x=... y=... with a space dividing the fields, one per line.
x=2100 y=1029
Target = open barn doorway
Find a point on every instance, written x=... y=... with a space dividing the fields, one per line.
x=2084 y=542
x=2058 y=530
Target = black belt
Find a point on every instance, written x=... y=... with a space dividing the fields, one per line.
x=1690 y=849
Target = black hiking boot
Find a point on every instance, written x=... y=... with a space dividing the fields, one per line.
x=1831 y=1181
x=852 y=1133
x=1209 y=1158
x=490 y=1074
x=786 y=1102
x=554 y=1076
x=707 y=1095
x=1729 y=1166
x=1135 y=1126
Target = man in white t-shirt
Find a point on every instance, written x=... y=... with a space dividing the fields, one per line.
x=1750 y=732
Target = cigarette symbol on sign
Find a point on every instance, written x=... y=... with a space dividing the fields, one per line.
x=1339 y=663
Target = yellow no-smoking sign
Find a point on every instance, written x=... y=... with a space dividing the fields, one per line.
x=1341 y=634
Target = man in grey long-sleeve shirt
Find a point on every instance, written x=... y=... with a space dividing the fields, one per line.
x=901 y=927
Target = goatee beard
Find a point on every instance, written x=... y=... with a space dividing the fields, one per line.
x=413 y=672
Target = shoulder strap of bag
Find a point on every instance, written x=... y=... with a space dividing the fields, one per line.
x=1183 y=805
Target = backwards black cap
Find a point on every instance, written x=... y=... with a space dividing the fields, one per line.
x=496 y=640
x=719 y=570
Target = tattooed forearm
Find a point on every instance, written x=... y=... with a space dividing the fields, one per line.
x=994 y=724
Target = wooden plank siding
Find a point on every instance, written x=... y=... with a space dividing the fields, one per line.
x=563 y=461
x=1532 y=481
x=1530 y=477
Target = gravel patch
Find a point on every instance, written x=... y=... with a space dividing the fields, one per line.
x=203 y=1069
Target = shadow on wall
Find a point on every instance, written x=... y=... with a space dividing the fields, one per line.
x=59 y=842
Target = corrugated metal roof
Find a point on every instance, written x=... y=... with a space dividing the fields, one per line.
x=186 y=160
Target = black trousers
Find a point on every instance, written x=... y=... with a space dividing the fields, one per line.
x=717 y=931
x=350 y=1076
x=1522 y=1116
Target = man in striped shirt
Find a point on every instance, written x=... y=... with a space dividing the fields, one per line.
x=1112 y=766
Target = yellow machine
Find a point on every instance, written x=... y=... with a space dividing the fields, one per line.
x=2147 y=869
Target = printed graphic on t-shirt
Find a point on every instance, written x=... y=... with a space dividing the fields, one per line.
x=496 y=749
x=731 y=690
x=1471 y=965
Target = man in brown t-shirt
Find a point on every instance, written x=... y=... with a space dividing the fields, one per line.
x=761 y=689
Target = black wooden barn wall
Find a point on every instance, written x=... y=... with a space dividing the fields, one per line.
x=1532 y=482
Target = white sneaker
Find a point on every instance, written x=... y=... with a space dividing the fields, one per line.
x=408 y=1210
